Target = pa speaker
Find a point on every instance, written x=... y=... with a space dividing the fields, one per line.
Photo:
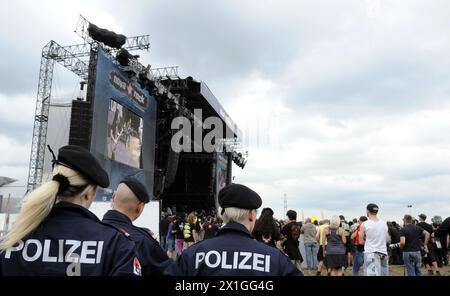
x=80 y=124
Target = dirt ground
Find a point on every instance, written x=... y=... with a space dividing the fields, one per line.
x=394 y=270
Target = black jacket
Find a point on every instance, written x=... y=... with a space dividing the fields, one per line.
x=232 y=252
x=151 y=256
x=71 y=241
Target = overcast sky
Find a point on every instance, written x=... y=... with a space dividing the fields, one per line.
x=341 y=102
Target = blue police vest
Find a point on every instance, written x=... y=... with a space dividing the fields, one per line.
x=233 y=252
x=151 y=256
x=71 y=241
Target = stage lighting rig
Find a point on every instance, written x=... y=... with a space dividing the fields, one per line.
x=109 y=38
x=131 y=64
x=124 y=57
x=146 y=76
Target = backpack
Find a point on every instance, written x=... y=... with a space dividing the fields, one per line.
x=346 y=228
x=187 y=231
x=295 y=231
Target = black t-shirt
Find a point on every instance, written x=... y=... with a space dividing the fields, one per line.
x=179 y=228
x=292 y=232
x=426 y=226
x=412 y=234
x=198 y=226
x=443 y=229
x=210 y=230
x=395 y=235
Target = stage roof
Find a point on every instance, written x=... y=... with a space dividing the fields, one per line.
x=199 y=95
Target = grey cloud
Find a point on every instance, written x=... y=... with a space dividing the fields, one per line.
x=21 y=134
x=353 y=203
x=389 y=89
x=19 y=71
x=216 y=42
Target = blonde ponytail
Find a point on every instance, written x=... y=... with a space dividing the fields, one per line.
x=37 y=205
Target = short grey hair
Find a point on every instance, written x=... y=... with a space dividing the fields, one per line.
x=233 y=214
x=335 y=221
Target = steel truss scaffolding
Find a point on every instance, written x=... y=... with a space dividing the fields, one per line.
x=76 y=59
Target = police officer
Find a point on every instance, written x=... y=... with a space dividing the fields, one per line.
x=128 y=202
x=56 y=234
x=234 y=251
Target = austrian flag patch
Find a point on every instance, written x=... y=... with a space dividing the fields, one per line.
x=137 y=270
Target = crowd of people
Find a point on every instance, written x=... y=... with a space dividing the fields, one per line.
x=179 y=232
x=55 y=233
x=365 y=245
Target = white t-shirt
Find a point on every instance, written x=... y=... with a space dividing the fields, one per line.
x=376 y=234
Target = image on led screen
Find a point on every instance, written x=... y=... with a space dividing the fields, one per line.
x=124 y=140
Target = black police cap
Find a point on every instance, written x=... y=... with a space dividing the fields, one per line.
x=82 y=161
x=138 y=188
x=239 y=196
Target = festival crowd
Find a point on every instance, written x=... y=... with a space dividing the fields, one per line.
x=367 y=245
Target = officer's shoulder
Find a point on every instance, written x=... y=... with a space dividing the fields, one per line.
x=144 y=232
x=113 y=230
